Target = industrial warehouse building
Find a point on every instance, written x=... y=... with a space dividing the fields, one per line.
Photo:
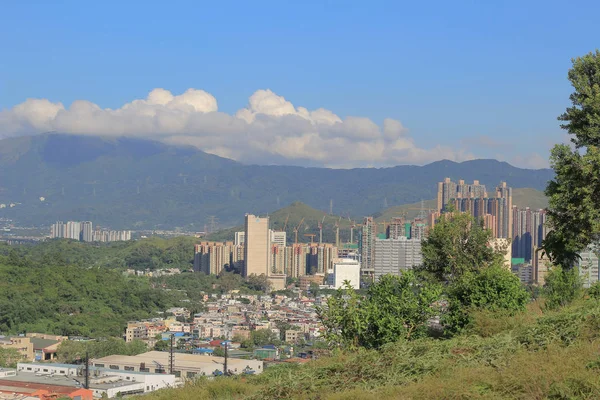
x=56 y=377
x=185 y=365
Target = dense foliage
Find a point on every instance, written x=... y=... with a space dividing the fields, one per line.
x=394 y=308
x=562 y=287
x=52 y=296
x=152 y=253
x=458 y=244
x=574 y=194
x=493 y=289
x=9 y=357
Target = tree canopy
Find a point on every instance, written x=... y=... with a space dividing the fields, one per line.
x=574 y=193
x=395 y=307
x=458 y=244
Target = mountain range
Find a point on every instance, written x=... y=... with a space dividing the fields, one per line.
x=130 y=183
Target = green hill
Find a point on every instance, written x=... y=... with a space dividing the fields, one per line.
x=527 y=197
x=294 y=214
x=409 y=211
x=127 y=183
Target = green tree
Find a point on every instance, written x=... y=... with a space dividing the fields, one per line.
x=260 y=283
x=261 y=337
x=162 y=345
x=493 y=289
x=458 y=244
x=9 y=357
x=574 y=193
x=562 y=287
x=394 y=308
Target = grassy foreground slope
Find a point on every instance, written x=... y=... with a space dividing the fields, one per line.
x=533 y=355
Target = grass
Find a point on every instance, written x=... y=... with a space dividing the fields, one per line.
x=533 y=355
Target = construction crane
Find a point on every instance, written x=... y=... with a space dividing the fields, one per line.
x=312 y=237
x=296 y=231
x=286 y=221
x=337 y=233
x=352 y=226
x=321 y=229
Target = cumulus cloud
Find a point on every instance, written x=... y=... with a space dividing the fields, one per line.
x=269 y=130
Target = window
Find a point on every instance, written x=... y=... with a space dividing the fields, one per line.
x=147 y=387
x=100 y=365
x=144 y=369
x=159 y=371
x=62 y=371
x=191 y=374
x=113 y=366
x=177 y=373
x=129 y=369
x=45 y=370
x=28 y=368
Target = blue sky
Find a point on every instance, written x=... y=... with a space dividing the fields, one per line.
x=476 y=79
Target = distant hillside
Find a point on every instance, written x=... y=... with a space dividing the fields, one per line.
x=136 y=183
x=527 y=197
x=294 y=214
x=522 y=197
x=409 y=211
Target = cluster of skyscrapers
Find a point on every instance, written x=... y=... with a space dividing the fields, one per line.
x=84 y=231
x=395 y=248
x=493 y=208
x=529 y=230
x=259 y=250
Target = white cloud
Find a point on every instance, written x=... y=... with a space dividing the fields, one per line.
x=532 y=161
x=269 y=130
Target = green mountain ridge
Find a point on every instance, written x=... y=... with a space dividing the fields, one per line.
x=131 y=183
x=294 y=213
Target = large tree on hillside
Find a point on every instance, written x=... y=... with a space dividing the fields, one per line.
x=458 y=244
x=574 y=194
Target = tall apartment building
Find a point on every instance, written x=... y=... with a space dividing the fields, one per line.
x=105 y=236
x=448 y=190
x=87 y=231
x=258 y=245
x=529 y=230
x=418 y=230
x=302 y=259
x=240 y=238
x=213 y=257
x=367 y=245
x=278 y=237
x=396 y=228
x=73 y=230
x=392 y=256
x=474 y=200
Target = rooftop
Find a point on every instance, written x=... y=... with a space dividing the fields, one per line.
x=187 y=361
x=56 y=383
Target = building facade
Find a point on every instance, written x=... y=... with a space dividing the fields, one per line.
x=257 y=245
x=392 y=256
x=343 y=270
x=367 y=245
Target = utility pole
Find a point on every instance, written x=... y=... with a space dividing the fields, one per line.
x=87 y=370
x=225 y=370
x=171 y=355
